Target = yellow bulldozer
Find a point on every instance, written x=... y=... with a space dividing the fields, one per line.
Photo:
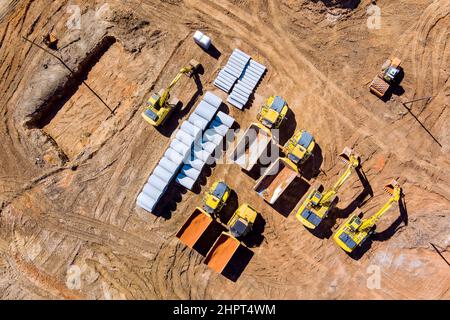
x=356 y=230
x=388 y=75
x=318 y=204
x=158 y=106
x=299 y=148
x=216 y=197
x=272 y=114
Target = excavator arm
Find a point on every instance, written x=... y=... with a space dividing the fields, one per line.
x=395 y=197
x=352 y=161
x=193 y=65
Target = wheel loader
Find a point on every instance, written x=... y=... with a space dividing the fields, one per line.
x=272 y=114
x=388 y=75
x=216 y=197
x=356 y=230
x=300 y=147
x=318 y=204
x=158 y=106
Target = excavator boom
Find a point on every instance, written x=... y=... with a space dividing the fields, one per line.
x=395 y=193
x=352 y=160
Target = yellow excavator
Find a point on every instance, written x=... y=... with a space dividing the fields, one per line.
x=318 y=204
x=158 y=106
x=216 y=197
x=272 y=114
x=355 y=230
x=300 y=147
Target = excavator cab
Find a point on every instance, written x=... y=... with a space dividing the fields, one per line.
x=216 y=197
x=158 y=106
x=318 y=203
x=241 y=223
x=273 y=113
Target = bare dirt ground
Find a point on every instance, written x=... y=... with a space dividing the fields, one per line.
x=70 y=172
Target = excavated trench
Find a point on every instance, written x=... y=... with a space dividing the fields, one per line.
x=47 y=112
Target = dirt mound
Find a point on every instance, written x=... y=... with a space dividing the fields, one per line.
x=70 y=171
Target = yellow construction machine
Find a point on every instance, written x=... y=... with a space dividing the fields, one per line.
x=300 y=147
x=318 y=204
x=158 y=106
x=241 y=223
x=388 y=75
x=216 y=197
x=272 y=114
x=356 y=230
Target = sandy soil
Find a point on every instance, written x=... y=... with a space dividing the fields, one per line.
x=70 y=172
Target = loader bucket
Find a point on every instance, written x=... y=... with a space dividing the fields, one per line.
x=222 y=252
x=349 y=157
x=194 y=227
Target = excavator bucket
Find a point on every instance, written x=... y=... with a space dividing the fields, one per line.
x=194 y=64
x=390 y=187
x=349 y=157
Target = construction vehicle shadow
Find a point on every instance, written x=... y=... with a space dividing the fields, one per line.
x=214 y=52
x=290 y=198
x=287 y=127
x=325 y=229
x=255 y=237
x=395 y=226
x=311 y=168
x=203 y=179
x=181 y=110
x=169 y=201
x=256 y=171
x=396 y=88
x=230 y=207
x=238 y=263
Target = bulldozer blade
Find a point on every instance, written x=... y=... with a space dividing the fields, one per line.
x=389 y=188
x=348 y=156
